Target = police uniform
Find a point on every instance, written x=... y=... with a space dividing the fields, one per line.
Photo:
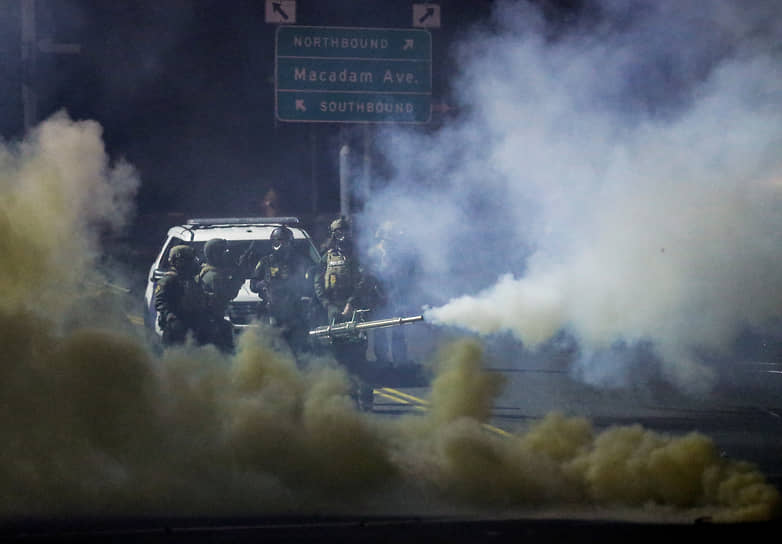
x=178 y=299
x=397 y=270
x=340 y=281
x=283 y=283
x=220 y=283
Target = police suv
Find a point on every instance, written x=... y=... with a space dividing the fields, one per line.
x=239 y=232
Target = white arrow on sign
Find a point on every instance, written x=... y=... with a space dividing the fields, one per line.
x=300 y=105
x=408 y=45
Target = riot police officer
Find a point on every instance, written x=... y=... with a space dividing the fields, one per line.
x=340 y=283
x=282 y=281
x=178 y=299
x=341 y=287
x=220 y=279
x=396 y=266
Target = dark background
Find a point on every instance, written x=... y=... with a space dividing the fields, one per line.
x=184 y=90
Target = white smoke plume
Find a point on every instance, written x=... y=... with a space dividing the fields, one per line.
x=617 y=178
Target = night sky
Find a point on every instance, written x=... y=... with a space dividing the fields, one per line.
x=184 y=91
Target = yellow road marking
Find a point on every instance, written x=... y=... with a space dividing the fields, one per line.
x=385 y=394
x=406 y=396
x=422 y=404
x=495 y=430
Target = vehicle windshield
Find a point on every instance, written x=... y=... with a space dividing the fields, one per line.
x=543 y=281
x=300 y=248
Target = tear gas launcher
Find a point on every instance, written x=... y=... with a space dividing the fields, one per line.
x=356 y=328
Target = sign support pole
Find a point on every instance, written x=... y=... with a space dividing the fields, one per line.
x=366 y=185
x=29 y=50
x=314 y=169
x=344 y=180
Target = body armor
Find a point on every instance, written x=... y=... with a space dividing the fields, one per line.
x=338 y=279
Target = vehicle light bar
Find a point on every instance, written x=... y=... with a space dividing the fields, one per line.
x=209 y=221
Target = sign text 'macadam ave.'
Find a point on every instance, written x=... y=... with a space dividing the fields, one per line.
x=353 y=75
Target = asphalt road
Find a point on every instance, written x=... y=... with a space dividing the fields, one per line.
x=743 y=415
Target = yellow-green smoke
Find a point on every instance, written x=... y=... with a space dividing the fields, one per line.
x=95 y=422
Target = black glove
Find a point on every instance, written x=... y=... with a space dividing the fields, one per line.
x=334 y=312
x=175 y=330
x=249 y=258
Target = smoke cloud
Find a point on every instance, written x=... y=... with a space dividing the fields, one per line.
x=60 y=195
x=616 y=178
x=98 y=423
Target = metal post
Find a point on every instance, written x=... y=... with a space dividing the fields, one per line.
x=344 y=180
x=29 y=49
x=314 y=169
x=366 y=187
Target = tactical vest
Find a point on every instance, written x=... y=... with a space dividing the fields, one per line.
x=277 y=271
x=278 y=276
x=218 y=289
x=188 y=300
x=201 y=273
x=338 y=276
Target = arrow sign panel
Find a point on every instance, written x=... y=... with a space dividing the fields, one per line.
x=336 y=107
x=426 y=15
x=353 y=75
x=281 y=11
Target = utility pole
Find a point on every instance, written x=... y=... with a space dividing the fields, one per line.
x=366 y=178
x=29 y=100
x=345 y=185
x=314 y=169
x=30 y=48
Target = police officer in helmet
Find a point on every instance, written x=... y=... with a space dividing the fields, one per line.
x=281 y=279
x=395 y=264
x=220 y=279
x=282 y=241
x=339 y=283
x=340 y=286
x=178 y=299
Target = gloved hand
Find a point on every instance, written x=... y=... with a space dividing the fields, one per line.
x=333 y=312
x=175 y=330
x=164 y=320
x=248 y=259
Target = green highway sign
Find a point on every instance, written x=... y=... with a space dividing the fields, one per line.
x=353 y=107
x=350 y=42
x=353 y=75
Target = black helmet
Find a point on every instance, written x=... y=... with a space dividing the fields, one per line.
x=341 y=223
x=181 y=257
x=215 y=251
x=339 y=229
x=281 y=237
